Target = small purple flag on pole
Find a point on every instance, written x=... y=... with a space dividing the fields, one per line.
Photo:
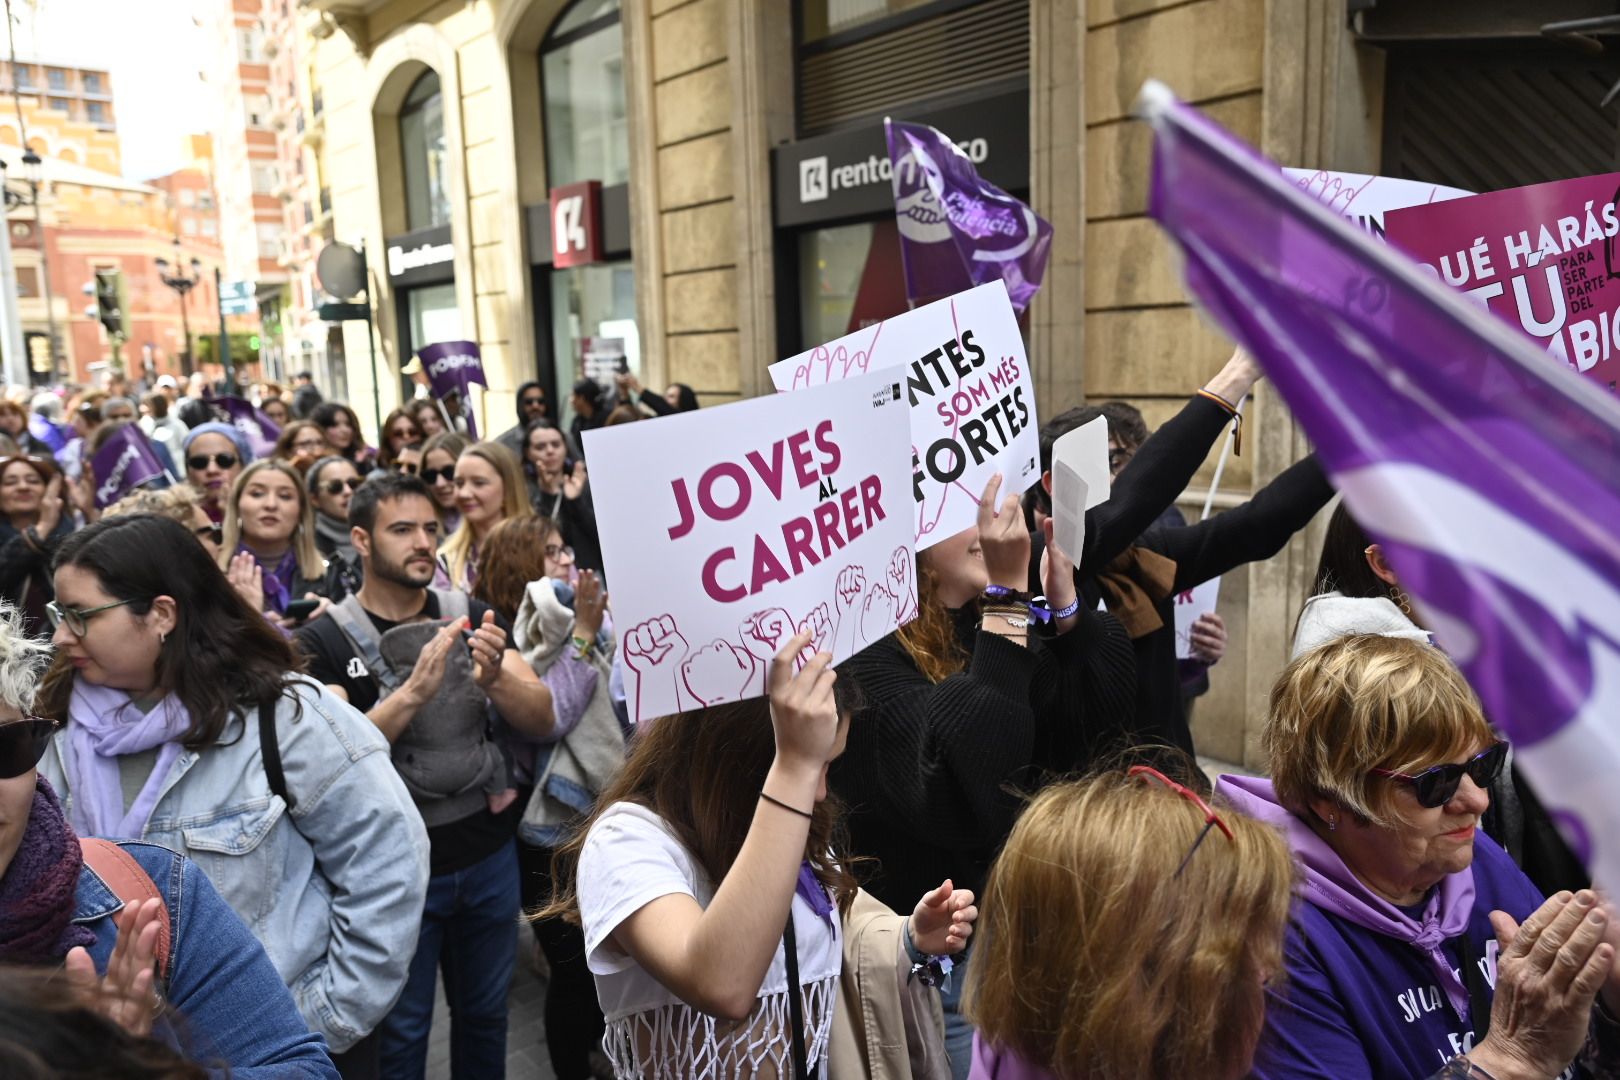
x=260 y=430
x=453 y=366
x=46 y=432
x=956 y=229
x=125 y=462
x=1489 y=472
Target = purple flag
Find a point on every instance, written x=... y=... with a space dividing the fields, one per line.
x=1489 y=472
x=125 y=462
x=261 y=431
x=451 y=367
x=46 y=432
x=957 y=230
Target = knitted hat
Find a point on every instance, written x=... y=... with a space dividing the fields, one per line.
x=244 y=452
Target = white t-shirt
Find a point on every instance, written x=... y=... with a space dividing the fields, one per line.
x=632 y=858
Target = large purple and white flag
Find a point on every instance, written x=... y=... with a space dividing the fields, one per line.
x=1490 y=473
x=957 y=230
x=453 y=366
x=125 y=462
x=260 y=431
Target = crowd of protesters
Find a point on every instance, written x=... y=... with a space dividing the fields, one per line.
x=306 y=727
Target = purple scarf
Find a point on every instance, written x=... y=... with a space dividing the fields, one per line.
x=810 y=890
x=993 y=1063
x=37 y=889
x=278 y=579
x=1331 y=886
x=103 y=725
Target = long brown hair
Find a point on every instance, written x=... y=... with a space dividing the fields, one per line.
x=701 y=772
x=513 y=555
x=1111 y=946
x=930 y=639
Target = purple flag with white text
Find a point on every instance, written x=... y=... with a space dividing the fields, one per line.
x=261 y=431
x=1489 y=472
x=125 y=462
x=48 y=433
x=956 y=229
x=451 y=367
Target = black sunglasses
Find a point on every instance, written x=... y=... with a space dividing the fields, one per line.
x=213 y=532
x=1436 y=787
x=200 y=461
x=335 y=487
x=23 y=743
x=433 y=476
x=406 y=467
x=530 y=402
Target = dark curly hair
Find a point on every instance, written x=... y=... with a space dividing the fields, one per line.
x=49 y=1031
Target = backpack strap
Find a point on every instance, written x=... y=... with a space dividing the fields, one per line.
x=452 y=604
x=131 y=883
x=357 y=627
x=270 y=752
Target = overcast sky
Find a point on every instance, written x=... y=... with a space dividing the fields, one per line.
x=152 y=50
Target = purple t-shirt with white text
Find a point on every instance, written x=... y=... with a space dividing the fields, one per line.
x=1355 y=1003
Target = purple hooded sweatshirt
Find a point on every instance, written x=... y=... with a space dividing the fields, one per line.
x=1364 y=995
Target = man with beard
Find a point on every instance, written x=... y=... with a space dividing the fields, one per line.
x=428 y=667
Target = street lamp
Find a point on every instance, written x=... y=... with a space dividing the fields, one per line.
x=175 y=277
x=33 y=175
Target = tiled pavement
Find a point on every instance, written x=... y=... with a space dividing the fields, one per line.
x=525 y=1035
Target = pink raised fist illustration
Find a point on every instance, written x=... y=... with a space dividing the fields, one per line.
x=851 y=584
x=649 y=645
x=902 y=582
x=878 y=615
x=720 y=671
x=819 y=625
x=765 y=632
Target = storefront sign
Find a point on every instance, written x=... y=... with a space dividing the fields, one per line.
x=576 y=224
x=961 y=361
x=422 y=257
x=727 y=531
x=847 y=173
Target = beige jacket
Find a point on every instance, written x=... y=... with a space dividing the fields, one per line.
x=884 y=1027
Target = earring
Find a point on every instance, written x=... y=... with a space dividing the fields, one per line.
x=1333 y=822
x=162 y=639
x=1400 y=599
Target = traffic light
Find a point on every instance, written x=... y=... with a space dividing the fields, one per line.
x=110 y=301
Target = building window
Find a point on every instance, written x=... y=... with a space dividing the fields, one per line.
x=56 y=78
x=582 y=75
x=823 y=18
x=92 y=83
x=210 y=227
x=95 y=112
x=426 y=159
x=269 y=234
x=188 y=198
x=61 y=105
x=250 y=45
x=25 y=78
x=188 y=226
x=593 y=325
x=27 y=282
x=264 y=177
x=433 y=315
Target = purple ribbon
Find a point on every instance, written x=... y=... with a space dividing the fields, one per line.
x=811 y=890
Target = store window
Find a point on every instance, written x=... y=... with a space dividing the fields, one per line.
x=850 y=276
x=593 y=326
x=426 y=158
x=823 y=18
x=433 y=315
x=582 y=76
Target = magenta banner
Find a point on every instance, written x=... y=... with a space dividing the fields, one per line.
x=1541 y=257
x=125 y=462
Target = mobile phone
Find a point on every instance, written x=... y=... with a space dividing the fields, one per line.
x=623 y=366
x=299 y=610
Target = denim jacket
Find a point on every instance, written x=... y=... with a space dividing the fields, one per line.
x=334 y=889
x=233 y=1008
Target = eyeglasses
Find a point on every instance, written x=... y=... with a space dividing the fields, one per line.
x=213 y=532
x=406 y=467
x=200 y=461
x=1436 y=787
x=558 y=551
x=433 y=476
x=23 y=743
x=533 y=402
x=76 y=618
x=335 y=487
x=1211 y=818
x=308 y=446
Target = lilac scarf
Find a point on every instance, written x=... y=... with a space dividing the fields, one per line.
x=278 y=579
x=38 y=887
x=1331 y=886
x=993 y=1063
x=103 y=725
x=812 y=892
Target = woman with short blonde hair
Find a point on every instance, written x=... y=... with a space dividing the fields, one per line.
x=1128 y=930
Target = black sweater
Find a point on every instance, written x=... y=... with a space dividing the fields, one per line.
x=932 y=771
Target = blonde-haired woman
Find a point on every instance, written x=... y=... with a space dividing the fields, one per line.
x=489 y=489
x=270 y=541
x=1159 y=974
x=1408 y=940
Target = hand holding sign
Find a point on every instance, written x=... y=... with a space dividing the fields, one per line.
x=804 y=713
x=1003 y=540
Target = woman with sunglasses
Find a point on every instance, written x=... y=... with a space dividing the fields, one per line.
x=399 y=431
x=438 y=472
x=56 y=912
x=215 y=456
x=34 y=520
x=342 y=429
x=332 y=482
x=270 y=536
x=1380 y=759
x=171 y=688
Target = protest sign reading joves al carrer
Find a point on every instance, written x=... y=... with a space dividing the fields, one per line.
x=726 y=532
x=961 y=362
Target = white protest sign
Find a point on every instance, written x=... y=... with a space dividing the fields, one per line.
x=1189 y=605
x=1366 y=199
x=961 y=362
x=1080 y=480
x=726 y=531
